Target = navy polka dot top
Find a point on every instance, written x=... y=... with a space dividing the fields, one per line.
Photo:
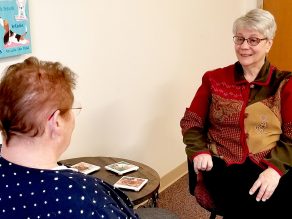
x=34 y=193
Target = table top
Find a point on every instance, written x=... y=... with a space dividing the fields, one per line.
x=144 y=171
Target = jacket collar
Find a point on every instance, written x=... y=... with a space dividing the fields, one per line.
x=263 y=78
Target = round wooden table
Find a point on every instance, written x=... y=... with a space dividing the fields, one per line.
x=148 y=192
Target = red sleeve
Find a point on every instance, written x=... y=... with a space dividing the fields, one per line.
x=195 y=115
x=286 y=103
x=200 y=103
x=281 y=155
x=193 y=123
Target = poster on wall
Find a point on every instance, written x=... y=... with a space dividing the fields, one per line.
x=14 y=28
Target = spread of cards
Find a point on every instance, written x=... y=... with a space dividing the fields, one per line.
x=120 y=168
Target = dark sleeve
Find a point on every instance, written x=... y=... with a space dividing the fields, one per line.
x=194 y=122
x=97 y=199
x=118 y=204
x=281 y=155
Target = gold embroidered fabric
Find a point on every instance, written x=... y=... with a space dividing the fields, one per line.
x=262 y=127
x=223 y=110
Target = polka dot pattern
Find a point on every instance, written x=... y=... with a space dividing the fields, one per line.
x=33 y=193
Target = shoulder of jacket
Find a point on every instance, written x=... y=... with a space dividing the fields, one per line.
x=221 y=72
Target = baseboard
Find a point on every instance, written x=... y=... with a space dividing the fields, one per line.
x=173 y=176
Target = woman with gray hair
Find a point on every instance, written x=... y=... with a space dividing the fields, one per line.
x=238 y=128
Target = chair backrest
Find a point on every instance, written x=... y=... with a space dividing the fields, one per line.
x=198 y=189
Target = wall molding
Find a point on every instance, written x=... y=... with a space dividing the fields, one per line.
x=171 y=177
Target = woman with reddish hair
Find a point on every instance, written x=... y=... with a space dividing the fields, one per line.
x=37 y=118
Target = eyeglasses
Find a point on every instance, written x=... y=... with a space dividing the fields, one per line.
x=252 y=41
x=76 y=111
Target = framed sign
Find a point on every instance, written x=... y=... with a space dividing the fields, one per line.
x=14 y=28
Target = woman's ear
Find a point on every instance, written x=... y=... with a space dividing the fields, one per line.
x=269 y=45
x=54 y=125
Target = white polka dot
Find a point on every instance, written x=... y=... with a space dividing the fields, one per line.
x=102 y=216
x=45 y=202
x=70 y=186
x=32 y=193
x=17 y=184
x=59 y=212
x=44 y=191
x=69 y=197
x=14 y=174
x=20 y=195
x=27 y=172
x=48 y=215
x=24 y=206
x=6 y=186
x=3 y=175
x=70 y=210
x=57 y=199
x=56 y=188
x=82 y=198
x=3 y=210
x=35 y=204
x=56 y=178
x=81 y=211
x=84 y=187
x=29 y=182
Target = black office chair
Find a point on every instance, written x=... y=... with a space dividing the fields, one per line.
x=199 y=190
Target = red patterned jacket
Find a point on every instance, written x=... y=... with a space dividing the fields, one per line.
x=234 y=119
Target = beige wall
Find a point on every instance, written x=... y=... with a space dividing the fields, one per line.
x=139 y=63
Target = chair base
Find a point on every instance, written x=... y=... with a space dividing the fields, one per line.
x=213 y=215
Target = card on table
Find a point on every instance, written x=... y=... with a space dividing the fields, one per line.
x=86 y=168
x=121 y=167
x=132 y=183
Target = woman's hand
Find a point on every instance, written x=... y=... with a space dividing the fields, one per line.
x=266 y=183
x=203 y=162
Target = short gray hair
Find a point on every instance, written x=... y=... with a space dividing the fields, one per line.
x=257 y=19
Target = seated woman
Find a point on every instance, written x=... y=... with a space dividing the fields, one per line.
x=37 y=121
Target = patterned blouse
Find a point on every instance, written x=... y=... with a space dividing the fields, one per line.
x=35 y=193
x=234 y=119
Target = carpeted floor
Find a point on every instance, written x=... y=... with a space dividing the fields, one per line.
x=177 y=199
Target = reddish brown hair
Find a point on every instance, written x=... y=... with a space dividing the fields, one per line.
x=30 y=92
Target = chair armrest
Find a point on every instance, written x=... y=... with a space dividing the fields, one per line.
x=192 y=177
